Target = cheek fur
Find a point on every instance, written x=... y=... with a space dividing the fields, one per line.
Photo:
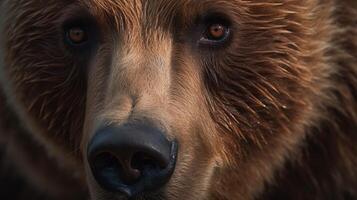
x=50 y=86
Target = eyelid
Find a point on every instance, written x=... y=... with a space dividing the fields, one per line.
x=216 y=17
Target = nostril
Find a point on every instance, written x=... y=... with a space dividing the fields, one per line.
x=112 y=168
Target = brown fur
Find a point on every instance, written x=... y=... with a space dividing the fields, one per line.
x=271 y=115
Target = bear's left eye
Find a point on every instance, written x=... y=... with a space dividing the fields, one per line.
x=216 y=31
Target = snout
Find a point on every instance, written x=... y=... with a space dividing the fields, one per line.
x=132 y=159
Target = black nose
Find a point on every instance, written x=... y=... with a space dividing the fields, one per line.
x=132 y=159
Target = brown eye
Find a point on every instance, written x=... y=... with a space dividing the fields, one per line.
x=77 y=35
x=216 y=31
x=215 y=34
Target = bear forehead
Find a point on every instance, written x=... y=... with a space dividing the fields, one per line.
x=156 y=12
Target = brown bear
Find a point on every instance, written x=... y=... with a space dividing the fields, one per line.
x=178 y=99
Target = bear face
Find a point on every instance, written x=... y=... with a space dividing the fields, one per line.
x=234 y=83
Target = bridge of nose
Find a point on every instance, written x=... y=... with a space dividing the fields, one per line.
x=141 y=71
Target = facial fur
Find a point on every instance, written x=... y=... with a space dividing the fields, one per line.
x=247 y=113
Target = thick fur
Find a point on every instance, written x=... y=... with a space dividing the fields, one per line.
x=270 y=115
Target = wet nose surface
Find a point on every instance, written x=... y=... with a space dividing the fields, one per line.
x=132 y=159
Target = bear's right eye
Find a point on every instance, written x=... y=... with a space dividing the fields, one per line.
x=80 y=35
x=76 y=36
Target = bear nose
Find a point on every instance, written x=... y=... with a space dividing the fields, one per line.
x=132 y=159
